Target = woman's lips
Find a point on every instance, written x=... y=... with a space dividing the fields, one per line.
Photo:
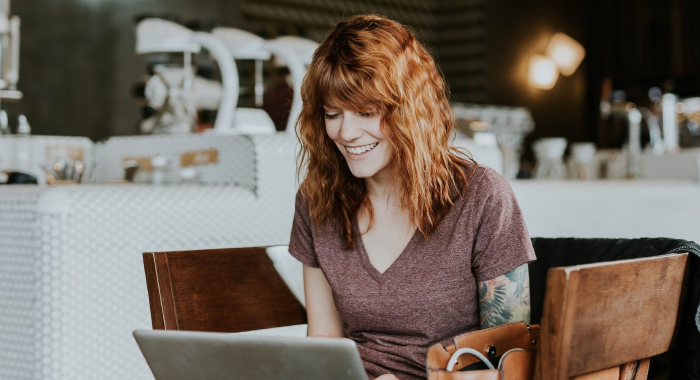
x=363 y=150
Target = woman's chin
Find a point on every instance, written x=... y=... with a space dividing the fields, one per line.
x=361 y=171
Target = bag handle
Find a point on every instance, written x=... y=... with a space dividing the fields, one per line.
x=466 y=350
x=500 y=361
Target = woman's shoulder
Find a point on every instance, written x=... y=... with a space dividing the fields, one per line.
x=485 y=188
x=299 y=199
x=301 y=206
x=482 y=179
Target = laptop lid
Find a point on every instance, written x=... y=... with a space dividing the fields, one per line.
x=187 y=355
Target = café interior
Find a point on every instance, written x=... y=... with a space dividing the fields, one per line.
x=132 y=131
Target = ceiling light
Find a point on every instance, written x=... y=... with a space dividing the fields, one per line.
x=566 y=52
x=542 y=72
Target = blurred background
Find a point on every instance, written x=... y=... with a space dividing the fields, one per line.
x=132 y=126
x=79 y=66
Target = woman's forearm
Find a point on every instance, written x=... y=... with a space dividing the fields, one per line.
x=505 y=298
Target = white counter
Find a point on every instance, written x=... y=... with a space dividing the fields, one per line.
x=611 y=208
x=72 y=286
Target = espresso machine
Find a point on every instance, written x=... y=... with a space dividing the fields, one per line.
x=15 y=151
x=9 y=60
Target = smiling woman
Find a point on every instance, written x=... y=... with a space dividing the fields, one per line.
x=405 y=240
x=359 y=138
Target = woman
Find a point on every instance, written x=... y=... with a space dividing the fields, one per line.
x=405 y=241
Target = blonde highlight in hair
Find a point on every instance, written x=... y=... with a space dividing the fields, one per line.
x=373 y=63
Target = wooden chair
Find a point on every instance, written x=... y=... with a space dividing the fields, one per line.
x=218 y=290
x=604 y=320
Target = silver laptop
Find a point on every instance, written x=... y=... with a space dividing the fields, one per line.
x=186 y=355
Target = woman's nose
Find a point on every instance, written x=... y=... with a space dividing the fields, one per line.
x=350 y=128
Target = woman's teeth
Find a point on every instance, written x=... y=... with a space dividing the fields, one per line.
x=361 y=149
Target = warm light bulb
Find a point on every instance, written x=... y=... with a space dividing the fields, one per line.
x=566 y=52
x=543 y=72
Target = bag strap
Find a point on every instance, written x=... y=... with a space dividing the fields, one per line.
x=491 y=342
x=466 y=350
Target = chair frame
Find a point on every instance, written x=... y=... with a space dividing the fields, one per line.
x=218 y=290
x=641 y=299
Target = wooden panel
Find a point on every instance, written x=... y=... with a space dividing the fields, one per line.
x=552 y=317
x=605 y=374
x=602 y=315
x=230 y=290
x=640 y=299
x=628 y=370
x=167 y=301
x=149 y=265
x=643 y=370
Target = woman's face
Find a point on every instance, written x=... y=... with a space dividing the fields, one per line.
x=360 y=140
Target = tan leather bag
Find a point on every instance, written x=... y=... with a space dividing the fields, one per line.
x=514 y=342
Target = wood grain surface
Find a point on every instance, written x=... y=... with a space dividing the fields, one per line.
x=603 y=315
x=220 y=290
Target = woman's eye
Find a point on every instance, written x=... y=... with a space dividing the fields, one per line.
x=332 y=115
x=366 y=114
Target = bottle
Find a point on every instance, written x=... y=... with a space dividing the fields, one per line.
x=4 y=123
x=670 y=122
x=23 y=161
x=6 y=147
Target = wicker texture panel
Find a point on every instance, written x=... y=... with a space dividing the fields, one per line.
x=18 y=254
x=72 y=285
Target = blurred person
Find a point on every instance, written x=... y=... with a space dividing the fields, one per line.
x=277 y=100
x=405 y=240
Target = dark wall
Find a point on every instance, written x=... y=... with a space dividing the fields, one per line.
x=454 y=31
x=632 y=44
x=639 y=44
x=78 y=64
x=516 y=31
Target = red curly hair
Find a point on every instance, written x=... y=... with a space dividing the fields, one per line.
x=372 y=63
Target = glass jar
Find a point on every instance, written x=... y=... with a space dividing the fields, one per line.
x=549 y=153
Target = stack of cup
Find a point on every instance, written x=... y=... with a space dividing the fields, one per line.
x=582 y=162
x=549 y=153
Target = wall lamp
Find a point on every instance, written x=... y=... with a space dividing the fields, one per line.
x=563 y=55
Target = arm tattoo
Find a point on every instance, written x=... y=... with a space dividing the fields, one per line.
x=506 y=298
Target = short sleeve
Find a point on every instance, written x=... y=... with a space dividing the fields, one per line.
x=301 y=243
x=502 y=242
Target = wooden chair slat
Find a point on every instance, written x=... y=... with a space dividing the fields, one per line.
x=598 y=316
x=149 y=265
x=219 y=290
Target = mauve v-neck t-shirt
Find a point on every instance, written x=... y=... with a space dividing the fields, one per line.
x=429 y=294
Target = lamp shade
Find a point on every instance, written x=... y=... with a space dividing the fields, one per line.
x=155 y=35
x=566 y=52
x=542 y=72
x=303 y=47
x=242 y=44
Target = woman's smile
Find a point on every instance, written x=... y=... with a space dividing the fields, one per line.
x=360 y=152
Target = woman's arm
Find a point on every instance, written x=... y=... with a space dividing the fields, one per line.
x=321 y=313
x=505 y=298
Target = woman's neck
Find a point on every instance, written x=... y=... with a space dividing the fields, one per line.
x=381 y=189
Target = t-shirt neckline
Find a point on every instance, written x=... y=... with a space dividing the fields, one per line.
x=364 y=257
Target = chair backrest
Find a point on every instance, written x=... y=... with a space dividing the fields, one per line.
x=599 y=316
x=218 y=290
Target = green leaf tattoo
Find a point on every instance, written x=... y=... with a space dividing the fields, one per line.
x=506 y=298
x=519 y=276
